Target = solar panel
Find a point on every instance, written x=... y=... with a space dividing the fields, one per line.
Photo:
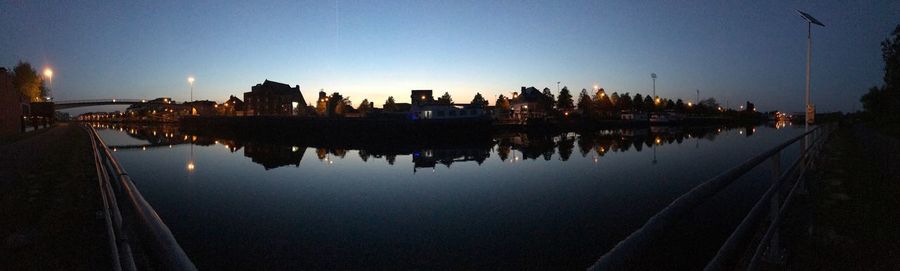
x=809 y=18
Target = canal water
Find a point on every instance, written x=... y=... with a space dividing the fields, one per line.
x=518 y=201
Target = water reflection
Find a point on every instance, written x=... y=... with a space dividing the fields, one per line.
x=509 y=147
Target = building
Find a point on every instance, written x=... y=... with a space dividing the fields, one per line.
x=162 y=109
x=423 y=106
x=232 y=107
x=529 y=104
x=201 y=108
x=274 y=99
x=13 y=106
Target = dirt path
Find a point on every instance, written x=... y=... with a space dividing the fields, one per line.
x=50 y=204
x=855 y=202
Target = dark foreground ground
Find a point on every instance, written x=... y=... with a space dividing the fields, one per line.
x=854 y=222
x=50 y=208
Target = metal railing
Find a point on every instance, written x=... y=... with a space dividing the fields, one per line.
x=628 y=253
x=136 y=227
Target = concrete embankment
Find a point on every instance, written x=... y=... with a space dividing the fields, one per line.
x=50 y=204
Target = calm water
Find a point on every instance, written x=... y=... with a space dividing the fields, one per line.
x=521 y=201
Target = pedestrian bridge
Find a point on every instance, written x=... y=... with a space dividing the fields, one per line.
x=96 y=102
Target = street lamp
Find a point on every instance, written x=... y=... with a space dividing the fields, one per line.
x=809 y=22
x=191 y=82
x=48 y=73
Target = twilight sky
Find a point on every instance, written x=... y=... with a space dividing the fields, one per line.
x=734 y=50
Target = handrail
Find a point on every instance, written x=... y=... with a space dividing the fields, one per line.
x=728 y=253
x=102 y=182
x=156 y=235
x=626 y=252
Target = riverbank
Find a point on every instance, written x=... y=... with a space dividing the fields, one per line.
x=49 y=203
x=851 y=218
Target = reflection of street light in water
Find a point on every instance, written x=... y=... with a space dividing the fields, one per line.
x=190 y=165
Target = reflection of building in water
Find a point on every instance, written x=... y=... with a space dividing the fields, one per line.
x=273 y=156
x=430 y=158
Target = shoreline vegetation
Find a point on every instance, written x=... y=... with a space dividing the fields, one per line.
x=374 y=130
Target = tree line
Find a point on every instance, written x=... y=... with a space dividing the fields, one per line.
x=882 y=103
x=28 y=82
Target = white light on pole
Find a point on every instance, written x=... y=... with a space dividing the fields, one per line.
x=809 y=22
x=48 y=73
x=191 y=82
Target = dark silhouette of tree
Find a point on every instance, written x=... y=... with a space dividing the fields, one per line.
x=709 y=105
x=749 y=107
x=549 y=100
x=890 y=53
x=625 y=102
x=614 y=99
x=391 y=158
x=585 y=104
x=679 y=106
x=670 y=105
x=27 y=81
x=364 y=107
x=333 y=101
x=445 y=99
x=479 y=100
x=649 y=104
x=503 y=151
x=564 y=101
x=602 y=101
x=502 y=102
x=874 y=101
x=390 y=105
x=565 y=147
x=638 y=102
x=883 y=103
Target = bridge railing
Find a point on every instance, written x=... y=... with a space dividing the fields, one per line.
x=138 y=237
x=628 y=253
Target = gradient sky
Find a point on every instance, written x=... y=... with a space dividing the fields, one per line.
x=734 y=50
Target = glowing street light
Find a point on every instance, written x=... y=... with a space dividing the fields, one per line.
x=48 y=73
x=191 y=82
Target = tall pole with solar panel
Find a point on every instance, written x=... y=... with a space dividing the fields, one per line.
x=810 y=111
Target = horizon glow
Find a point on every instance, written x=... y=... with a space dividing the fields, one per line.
x=733 y=52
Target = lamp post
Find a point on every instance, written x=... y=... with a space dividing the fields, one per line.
x=655 y=100
x=49 y=74
x=191 y=82
x=809 y=22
